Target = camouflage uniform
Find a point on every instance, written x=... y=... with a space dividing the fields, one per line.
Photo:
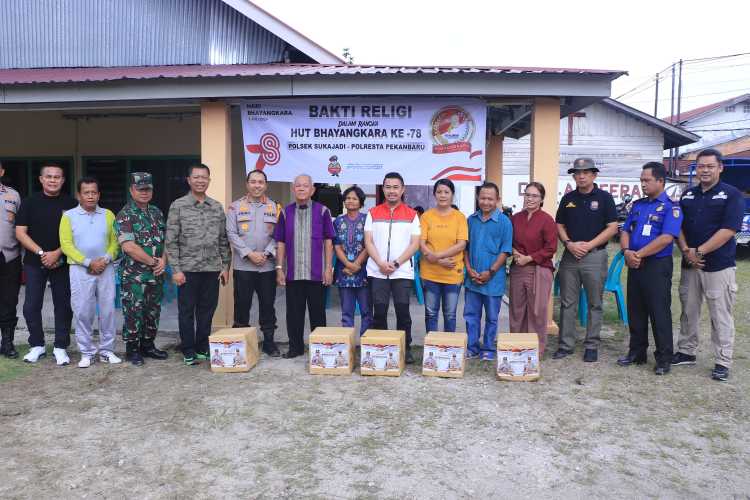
x=141 y=291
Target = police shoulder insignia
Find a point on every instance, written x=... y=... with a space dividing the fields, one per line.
x=676 y=212
x=570 y=205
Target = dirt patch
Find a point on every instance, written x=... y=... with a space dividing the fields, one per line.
x=170 y=431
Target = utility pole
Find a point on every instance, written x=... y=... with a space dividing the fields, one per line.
x=679 y=103
x=656 y=98
x=671 y=118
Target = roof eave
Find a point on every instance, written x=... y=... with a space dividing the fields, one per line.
x=674 y=136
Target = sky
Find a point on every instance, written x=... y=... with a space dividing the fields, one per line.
x=638 y=36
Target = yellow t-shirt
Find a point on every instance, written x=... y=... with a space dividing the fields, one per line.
x=442 y=232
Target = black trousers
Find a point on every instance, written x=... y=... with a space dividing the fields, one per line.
x=36 y=283
x=650 y=299
x=301 y=294
x=382 y=290
x=10 y=284
x=264 y=285
x=196 y=303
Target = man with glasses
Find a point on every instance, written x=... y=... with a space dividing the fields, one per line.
x=586 y=220
x=37 y=229
x=647 y=239
x=713 y=214
x=198 y=251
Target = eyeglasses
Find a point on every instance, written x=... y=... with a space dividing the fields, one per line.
x=531 y=195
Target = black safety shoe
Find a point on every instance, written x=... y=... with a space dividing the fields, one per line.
x=720 y=373
x=682 y=359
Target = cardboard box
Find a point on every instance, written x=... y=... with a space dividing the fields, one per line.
x=382 y=352
x=332 y=351
x=518 y=356
x=444 y=354
x=233 y=349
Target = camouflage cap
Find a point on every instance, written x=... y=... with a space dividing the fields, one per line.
x=141 y=180
x=583 y=164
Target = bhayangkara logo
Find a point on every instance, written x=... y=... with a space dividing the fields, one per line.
x=268 y=150
x=452 y=129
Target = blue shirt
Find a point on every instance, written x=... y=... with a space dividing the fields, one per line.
x=721 y=207
x=649 y=219
x=487 y=239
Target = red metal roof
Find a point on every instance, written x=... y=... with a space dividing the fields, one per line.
x=77 y=75
x=687 y=115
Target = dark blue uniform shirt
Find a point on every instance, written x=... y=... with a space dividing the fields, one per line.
x=721 y=207
x=649 y=219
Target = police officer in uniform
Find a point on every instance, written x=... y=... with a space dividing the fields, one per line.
x=586 y=220
x=10 y=267
x=647 y=240
x=140 y=231
x=250 y=224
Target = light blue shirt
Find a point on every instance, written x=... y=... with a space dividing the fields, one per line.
x=487 y=239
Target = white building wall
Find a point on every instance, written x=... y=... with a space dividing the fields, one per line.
x=618 y=143
x=719 y=126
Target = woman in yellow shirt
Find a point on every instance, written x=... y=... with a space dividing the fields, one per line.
x=443 y=239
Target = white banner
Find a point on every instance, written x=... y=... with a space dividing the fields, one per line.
x=359 y=140
x=514 y=186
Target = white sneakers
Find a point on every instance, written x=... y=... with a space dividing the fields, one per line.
x=34 y=354
x=62 y=359
x=109 y=357
x=61 y=356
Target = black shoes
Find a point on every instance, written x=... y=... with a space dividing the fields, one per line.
x=590 y=355
x=662 y=369
x=133 y=354
x=149 y=350
x=292 y=354
x=720 y=373
x=632 y=359
x=7 y=348
x=682 y=359
x=272 y=351
x=409 y=357
x=561 y=353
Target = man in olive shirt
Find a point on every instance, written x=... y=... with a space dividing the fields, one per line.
x=586 y=220
x=198 y=251
x=250 y=224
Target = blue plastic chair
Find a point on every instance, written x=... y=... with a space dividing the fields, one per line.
x=612 y=284
x=417 y=279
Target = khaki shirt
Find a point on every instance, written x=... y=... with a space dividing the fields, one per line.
x=196 y=238
x=10 y=203
x=250 y=228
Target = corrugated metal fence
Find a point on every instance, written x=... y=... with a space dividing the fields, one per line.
x=89 y=33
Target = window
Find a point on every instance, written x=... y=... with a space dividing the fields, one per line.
x=746 y=108
x=729 y=109
x=22 y=174
x=168 y=174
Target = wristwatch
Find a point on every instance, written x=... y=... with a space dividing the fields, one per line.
x=699 y=253
x=279 y=267
x=40 y=252
x=396 y=264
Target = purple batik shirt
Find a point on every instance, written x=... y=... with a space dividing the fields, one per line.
x=321 y=229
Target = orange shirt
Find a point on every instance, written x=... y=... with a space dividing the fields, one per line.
x=441 y=232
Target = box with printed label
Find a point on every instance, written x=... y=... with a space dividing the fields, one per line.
x=444 y=354
x=233 y=349
x=332 y=351
x=382 y=352
x=518 y=356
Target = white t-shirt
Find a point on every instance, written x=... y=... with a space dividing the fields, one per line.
x=391 y=234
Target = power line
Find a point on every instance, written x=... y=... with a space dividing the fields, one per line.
x=722 y=123
x=697 y=95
